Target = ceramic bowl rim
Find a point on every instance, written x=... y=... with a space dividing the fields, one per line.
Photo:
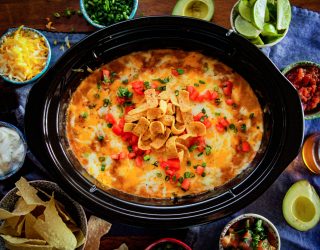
x=45 y=68
x=259 y=46
x=25 y=146
x=168 y=240
x=100 y=26
x=250 y=215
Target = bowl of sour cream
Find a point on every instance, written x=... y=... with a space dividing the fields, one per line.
x=13 y=149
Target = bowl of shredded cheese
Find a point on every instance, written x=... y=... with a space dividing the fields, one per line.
x=24 y=55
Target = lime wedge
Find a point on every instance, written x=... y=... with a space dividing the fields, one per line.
x=257 y=41
x=245 y=28
x=271 y=39
x=283 y=14
x=245 y=10
x=269 y=30
x=258 y=13
x=252 y=2
x=202 y=9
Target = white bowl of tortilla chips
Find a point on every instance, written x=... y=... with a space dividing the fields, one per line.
x=39 y=215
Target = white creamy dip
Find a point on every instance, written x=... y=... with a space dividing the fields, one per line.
x=12 y=150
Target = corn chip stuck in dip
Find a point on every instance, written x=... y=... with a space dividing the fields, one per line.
x=23 y=55
x=164 y=123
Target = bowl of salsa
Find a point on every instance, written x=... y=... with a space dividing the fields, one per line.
x=305 y=77
x=168 y=244
x=250 y=232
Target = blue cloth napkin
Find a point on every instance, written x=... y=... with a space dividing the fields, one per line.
x=301 y=43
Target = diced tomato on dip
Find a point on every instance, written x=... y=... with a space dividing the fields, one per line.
x=185 y=185
x=222 y=124
x=307 y=82
x=227 y=88
x=200 y=170
x=172 y=164
x=105 y=75
x=138 y=87
x=110 y=119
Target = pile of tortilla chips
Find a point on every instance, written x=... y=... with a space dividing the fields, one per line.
x=38 y=224
x=164 y=122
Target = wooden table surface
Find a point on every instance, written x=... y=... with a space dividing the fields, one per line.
x=33 y=13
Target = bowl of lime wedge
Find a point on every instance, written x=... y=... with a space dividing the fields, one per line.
x=263 y=22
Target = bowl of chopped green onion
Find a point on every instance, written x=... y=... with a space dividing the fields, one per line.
x=102 y=13
x=250 y=231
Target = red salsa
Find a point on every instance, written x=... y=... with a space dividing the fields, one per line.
x=307 y=81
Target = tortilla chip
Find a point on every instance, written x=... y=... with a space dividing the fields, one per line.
x=13 y=222
x=96 y=229
x=167 y=120
x=144 y=145
x=6 y=229
x=156 y=128
x=155 y=113
x=160 y=140
x=170 y=109
x=28 y=247
x=164 y=95
x=122 y=247
x=29 y=193
x=177 y=129
x=17 y=241
x=171 y=148
x=54 y=230
x=187 y=117
x=21 y=209
x=143 y=107
x=135 y=117
x=128 y=127
x=28 y=227
x=151 y=98
x=183 y=99
x=178 y=115
x=80 y=238
x=141 y=127
x=180 y=155
x=196 y=129
x=163 y=106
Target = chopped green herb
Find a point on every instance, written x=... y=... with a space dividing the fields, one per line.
x=130 y=149
x=109 y=125
x=99 y=86
x=243 y=127
x=180 y=71
x=203 y=111
x=163 y=81
x=125 y=81
x=196 y=84
x=192 y=175
x=251 y=116
x=56 y=15
x=176 y=92
x=127 y=104
x=146 y=157
x=106 y=102
x=147 y=85
x=103 y=167
x=192 y=147
x=186 y=175
x=217 y=101
x=205 y=67
x=180 y=180
x=156 y=163
x=202 y=118
x=161 y=88
x=167 y=178
x=208 y=149
x=203 y=175
x=202 y=82
x=84 y=115
x=233 y=127
x=217 y=113
x=159 y=175
x=100 y=138
x=200 y=154
x=189 y=163
x=68 y=12
x=97 y=96
x=101 y=158
x=204 y=164
x=174 y=178
x=124 y=92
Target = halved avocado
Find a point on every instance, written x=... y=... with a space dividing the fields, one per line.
x=301 y=206
x=202 y=9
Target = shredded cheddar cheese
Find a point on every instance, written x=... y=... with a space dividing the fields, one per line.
x=23 y=55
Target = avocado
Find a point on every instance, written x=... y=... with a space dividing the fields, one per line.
x=301 y=206
x=202 y=9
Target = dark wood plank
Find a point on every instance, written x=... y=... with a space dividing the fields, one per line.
x=33 y=13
